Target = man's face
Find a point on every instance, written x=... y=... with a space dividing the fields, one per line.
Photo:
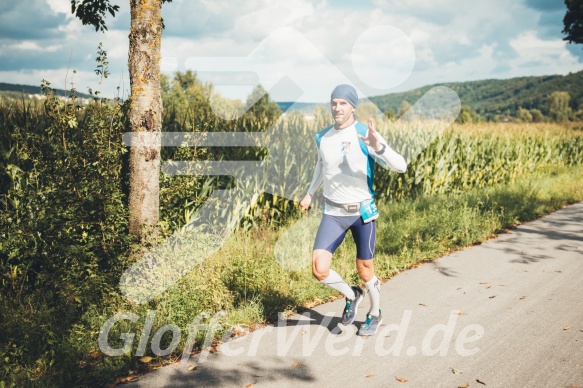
x=342 y=112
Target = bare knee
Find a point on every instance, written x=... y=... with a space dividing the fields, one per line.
x=321 y=264
x=320 y=276
x=319 y=272
x=365 y=269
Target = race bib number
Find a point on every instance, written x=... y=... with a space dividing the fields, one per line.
x=368 y=211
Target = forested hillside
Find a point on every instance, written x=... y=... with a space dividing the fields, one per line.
x=545 y=98
x=494 y=98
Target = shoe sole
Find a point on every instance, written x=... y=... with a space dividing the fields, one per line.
x=358 y=300
x=372 y=333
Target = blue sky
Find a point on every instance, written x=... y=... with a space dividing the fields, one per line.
x=380 y=46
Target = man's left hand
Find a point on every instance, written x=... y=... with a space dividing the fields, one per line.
x=372 y=138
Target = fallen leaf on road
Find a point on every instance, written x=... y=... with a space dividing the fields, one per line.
x=192 y=367
x=421 y=304
x=492 y=297
x=483 y=282
x=460 y=313
x=296 y=364
x=488 y=286
x=522 y=297
x=367 y=376
x=127 y=379
x=566 y=328
x=303 y=332
x=146 y=359
x=466 y=385
x=481 y=382
x=401 y=379
x=558 y=270
x=456 y=371
x=250 y=385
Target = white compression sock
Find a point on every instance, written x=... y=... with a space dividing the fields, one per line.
x=335 y=281
x=374 y=293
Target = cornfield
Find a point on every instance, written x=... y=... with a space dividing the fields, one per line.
x=481 y=155
x=266 y=188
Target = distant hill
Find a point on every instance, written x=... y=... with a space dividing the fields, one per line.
x=494 y=96
x=29 y=89
x=301 y=106
x=488 y=98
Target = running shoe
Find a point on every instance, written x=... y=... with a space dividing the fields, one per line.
x=371 y=324
x=349 y=313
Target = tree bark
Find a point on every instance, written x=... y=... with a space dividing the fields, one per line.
x=145 y=116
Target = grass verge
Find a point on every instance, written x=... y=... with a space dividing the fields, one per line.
x=245 y=280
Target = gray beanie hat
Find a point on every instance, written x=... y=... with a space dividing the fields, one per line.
x=345 y=92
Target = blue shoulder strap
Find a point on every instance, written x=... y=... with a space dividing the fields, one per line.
x=321 y=134
x=362 y=129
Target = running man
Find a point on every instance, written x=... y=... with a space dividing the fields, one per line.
x=346 y=154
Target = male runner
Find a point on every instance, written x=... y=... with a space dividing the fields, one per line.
x=346 y=154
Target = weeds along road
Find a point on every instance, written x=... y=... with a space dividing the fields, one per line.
x=506 y=313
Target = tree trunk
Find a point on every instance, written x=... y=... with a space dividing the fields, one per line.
x=145 y=116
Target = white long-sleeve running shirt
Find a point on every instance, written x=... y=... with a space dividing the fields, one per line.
x=345 y=166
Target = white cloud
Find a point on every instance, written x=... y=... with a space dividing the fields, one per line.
x=386 y=48
x=530 y=47
x=72 y=29
x=269 y=16
x=60 y=6
x=543 y=56
x=453 y=40
x=28 y=45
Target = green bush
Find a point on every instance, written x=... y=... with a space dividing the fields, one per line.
x=63 y=225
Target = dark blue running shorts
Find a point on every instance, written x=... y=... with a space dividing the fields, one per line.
x=333 y=229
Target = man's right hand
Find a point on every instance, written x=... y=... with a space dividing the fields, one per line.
x=306 y=202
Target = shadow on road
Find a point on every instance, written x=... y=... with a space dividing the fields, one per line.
x=312 y=317
x=240 y=374
x=553 y=230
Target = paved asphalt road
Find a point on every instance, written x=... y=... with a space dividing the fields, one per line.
x=506 y=313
